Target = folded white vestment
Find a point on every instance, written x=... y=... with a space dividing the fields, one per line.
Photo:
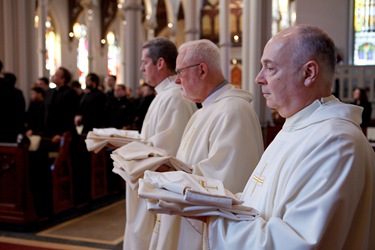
x=188 y=195
x=99 y=138
x=132 y=160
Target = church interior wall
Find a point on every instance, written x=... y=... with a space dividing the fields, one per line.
x=332 y=16
x=59 y=13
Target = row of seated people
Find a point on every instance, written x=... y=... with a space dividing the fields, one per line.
x=52 y=111
x=38 y=185
x=61 y=174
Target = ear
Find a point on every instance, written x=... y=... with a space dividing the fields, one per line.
x=160 y=63
x=310 y=73
x=203 y=70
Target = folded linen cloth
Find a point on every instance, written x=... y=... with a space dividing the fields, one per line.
x=190 y=195
x=99 y=138
x=237 y=212
x=132 y=160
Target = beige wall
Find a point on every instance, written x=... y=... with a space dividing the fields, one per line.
x=331 y=15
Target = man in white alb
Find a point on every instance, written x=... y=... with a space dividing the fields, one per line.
x=314 y=186
x=163 y=126
x=222 y=140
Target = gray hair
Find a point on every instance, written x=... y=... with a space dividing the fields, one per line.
x=314 y=43
x=202 y=51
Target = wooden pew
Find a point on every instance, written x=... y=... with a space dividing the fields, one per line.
x=103 y=181
x=99 y=174
x=62 y=183
x=16 y=202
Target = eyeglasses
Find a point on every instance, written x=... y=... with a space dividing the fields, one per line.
x=178 y=71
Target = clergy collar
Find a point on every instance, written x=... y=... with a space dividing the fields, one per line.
x=324 y=100
x=164 y=84
x=306 y=112
x=214 y=93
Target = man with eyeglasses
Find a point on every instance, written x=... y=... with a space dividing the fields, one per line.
x=162 y=127
x=222 y=140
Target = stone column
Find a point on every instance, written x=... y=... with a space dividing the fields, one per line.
x=192 y=17
x=42 y=50
x=19 y=42
x=132 y=44
x=89 y=8
x=252 y=48
x=225 y=39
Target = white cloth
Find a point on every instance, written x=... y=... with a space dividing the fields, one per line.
x=190 y=195
x=223 y=141
x=133 y=159
x=163 y=126
x=313 y=187
x=97 y=139
x=34 y=142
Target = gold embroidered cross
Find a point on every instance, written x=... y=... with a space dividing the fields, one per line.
x=204 y=184
x=259 y=179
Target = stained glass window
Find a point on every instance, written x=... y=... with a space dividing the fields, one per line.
x=113 y=54
x=364 y=32
x=82 y=57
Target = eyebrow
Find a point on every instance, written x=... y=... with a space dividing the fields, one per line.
x=267 y=61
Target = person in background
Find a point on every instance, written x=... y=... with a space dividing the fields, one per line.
x=35 y=112
x=40 y=165
x=129 y=93
x=222 y=140
x=163 y=126
x=360 y=99
x=90 y=114
x=61 y=104
x=109 y=85
x=314 y=185
x=146 y=94
x=12 y=108
x=76 y=85
x=91 y=109
x=43 y=83
x=120 y=109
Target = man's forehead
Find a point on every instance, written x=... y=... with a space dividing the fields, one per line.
x=179 y=60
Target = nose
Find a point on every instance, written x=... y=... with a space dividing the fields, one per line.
x=259 y=79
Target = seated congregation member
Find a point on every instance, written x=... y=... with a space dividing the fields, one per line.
x=91 y=114
x=61 y=105
x=91 y=109
x=163 y=126
x=40 y=171
x=12 y=109
x=120 y=109
x=314 y=185
x=109 y=85
x=360 y=98
x=146 y=94
x=43 y=83
x=222 y=140
x=76 y=86
x=35 y=112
